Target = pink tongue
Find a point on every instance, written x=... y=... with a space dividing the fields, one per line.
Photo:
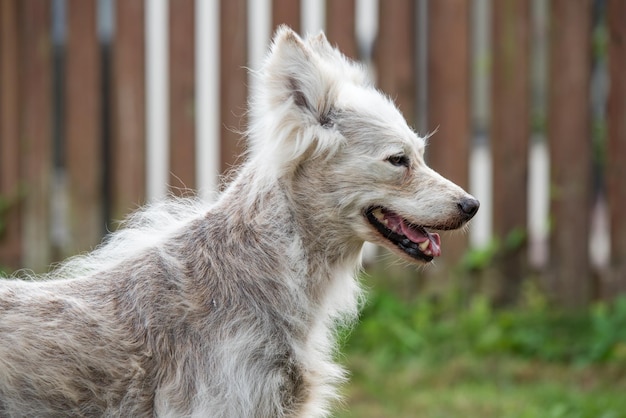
x=419 y=236
x=395 y=223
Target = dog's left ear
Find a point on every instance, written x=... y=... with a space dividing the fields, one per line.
x=296 y=72
x=292 y=108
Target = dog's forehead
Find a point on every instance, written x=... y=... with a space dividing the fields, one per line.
x=372 y=110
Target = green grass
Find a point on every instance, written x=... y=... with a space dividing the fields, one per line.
x=491 y=386
x=442 y=357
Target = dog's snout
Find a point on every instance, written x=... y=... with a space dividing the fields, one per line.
x=469 y=206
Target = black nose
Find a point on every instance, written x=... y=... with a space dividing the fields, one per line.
x=469 y=206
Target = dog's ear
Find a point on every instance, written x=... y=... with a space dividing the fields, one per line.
x=319 y=43
x=295 y=71
x=292 y=110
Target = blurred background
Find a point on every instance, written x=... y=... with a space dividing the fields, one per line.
x=109 y=104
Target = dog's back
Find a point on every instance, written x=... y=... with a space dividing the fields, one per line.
x=64 y=351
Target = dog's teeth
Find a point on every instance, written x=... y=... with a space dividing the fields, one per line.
x=424 y=245
x=380 y=216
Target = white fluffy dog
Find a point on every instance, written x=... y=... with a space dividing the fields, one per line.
x=228 y=309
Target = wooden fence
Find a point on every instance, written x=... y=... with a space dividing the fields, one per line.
x=86 y=136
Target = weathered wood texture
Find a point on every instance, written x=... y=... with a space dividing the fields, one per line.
x=286 y=12
x=83 y=128
x=182 y=96
x=616 y=150
x=340 y=26
x=394 y=55
x=10 y=231
x=510 y=133
x=570 y=150
x=233 y=76
x=128 y=142
x=35 y=86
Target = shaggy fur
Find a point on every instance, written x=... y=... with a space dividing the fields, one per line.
x=228 y=309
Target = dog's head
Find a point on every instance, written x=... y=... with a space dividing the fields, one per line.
x=347 y=153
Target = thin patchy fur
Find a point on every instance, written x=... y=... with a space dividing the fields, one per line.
x=228 y=309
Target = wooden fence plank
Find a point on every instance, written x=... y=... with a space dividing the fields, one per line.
x=570 y=150
x=10 y=234
x=233 y=76
x=510 y=132
x=83 y=137
x=182 y=95
x=128 y=147
x=340 y=26
x=448 y=103
x=616 y=155
x=36 y=130
x=286 y=12
x=395 y=55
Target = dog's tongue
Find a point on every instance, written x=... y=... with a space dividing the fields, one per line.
x=417 y=235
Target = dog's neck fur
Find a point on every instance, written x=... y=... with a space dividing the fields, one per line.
x=282 y=212
x=296 y=284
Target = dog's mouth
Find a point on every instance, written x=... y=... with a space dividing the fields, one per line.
x=414 y=240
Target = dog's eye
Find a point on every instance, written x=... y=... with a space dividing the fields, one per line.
x=399 y=160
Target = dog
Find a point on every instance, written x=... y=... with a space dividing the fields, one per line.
x=229 y=309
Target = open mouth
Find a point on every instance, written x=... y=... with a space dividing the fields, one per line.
x=413 y=239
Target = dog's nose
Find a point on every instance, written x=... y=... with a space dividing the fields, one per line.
x=469 y=206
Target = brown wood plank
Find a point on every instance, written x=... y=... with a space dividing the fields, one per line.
x=510 y=133
x=616 y=161
x=570 y=150
x=10 y=232
x=83 y=146
x=233 y=79
x=395 y=55
x=182 y=97
x=36 y=130
x=128 y=148
x=341 y=26
x=448 y=103
x=286 y=12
